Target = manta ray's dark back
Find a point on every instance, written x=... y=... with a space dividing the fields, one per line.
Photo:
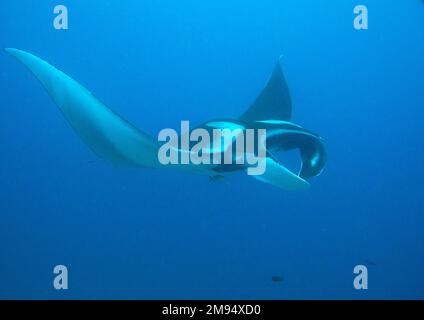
x=274 y=102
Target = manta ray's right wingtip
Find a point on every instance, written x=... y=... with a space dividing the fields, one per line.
x=274 y=102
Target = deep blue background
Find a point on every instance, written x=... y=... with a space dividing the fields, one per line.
x=153 y=234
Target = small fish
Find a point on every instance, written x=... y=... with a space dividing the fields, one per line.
x=216 y=178
x=277 y=279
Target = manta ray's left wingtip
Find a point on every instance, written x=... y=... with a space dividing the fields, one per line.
x=16 y=52
x=110 y=136
x=10 y=50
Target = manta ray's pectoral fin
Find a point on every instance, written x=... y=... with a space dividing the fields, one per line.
x=106 y=133
x=279 y=176
x=274 y=102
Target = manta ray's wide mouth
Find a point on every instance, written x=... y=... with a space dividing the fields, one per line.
x=300 y=151
x=290 y=159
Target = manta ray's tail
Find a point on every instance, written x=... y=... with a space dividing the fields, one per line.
x=106 y=133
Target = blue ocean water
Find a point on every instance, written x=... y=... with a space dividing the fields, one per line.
x=151 y=234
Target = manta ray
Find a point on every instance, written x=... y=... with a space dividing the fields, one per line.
x=116 y=140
